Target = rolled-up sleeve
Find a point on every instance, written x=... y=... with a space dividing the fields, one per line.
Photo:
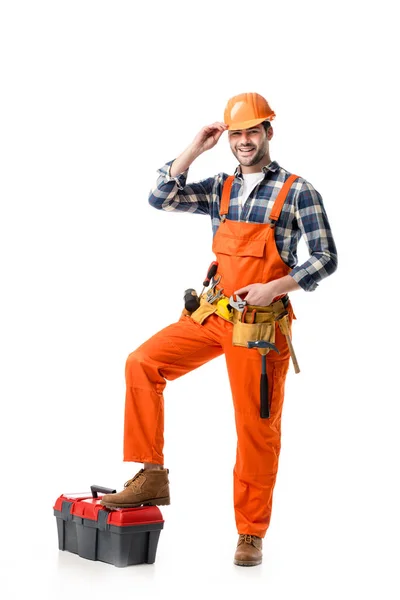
x=313 y=225
x=173 y=193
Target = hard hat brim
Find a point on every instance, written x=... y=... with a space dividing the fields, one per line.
x=248 y=124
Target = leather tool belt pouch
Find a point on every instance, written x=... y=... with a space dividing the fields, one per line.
x=263 y=327
x=205 y=310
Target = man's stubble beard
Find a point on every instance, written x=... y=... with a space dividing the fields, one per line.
x=257 y=157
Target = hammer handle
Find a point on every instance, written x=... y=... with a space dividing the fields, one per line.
x=264 y=402
x=285 y=330
x=292 y=354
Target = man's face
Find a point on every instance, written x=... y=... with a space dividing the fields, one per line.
x=249 y=145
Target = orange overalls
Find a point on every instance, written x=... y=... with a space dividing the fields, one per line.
x=246 y=253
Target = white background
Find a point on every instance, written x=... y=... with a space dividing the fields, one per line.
x=96 y=96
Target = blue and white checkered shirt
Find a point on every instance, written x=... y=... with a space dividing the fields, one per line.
x=303 y=213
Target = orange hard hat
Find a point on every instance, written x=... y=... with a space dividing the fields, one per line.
x=246 y=110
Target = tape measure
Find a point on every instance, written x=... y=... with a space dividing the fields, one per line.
x=223 y=310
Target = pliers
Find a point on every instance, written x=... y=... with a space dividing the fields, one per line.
x=253 y=315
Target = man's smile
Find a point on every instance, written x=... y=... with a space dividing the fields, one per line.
x=246 y=150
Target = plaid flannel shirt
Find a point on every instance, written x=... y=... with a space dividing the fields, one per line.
x=303 y=213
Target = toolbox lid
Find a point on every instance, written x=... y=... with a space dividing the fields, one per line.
x=87 y=507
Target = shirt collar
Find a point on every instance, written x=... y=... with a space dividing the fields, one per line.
x=273 y=166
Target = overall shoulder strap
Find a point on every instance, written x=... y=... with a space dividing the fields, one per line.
x=226 y=196
x=280 y=199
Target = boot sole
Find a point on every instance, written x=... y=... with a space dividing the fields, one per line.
x=247 y=563
x=151 y=502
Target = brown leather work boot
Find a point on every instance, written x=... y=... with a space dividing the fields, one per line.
x=148 y=486
x=249 y=551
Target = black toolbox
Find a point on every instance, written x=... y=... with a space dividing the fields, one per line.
x=122 y=537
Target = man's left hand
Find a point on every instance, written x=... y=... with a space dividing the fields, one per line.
x=258 y=294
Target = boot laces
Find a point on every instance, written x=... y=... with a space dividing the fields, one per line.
x=245 y=538
x=135 y=478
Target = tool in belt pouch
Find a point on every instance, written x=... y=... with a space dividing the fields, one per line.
x=258 y=323
x=205 y=310
x=251 y=323
x=254 y=326
x=283 y=322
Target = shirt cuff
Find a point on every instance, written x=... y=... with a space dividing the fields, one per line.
x=180 y=179
x=304 y=279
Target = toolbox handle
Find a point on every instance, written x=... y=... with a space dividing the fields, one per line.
x=99 y=489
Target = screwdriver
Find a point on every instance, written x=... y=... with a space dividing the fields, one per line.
x=212 y=269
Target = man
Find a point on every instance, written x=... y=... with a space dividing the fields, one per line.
x=258 y=216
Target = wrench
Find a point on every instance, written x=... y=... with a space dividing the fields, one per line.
x=239 y=304
x=211 y=290
x=215 y=296
x=214 y=283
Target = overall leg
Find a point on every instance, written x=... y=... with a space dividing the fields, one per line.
x=258 y=443
x=169 y=354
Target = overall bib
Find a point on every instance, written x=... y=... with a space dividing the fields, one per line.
x=246 y=253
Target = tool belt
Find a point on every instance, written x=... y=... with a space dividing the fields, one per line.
x=258 y=322
x=253 y=324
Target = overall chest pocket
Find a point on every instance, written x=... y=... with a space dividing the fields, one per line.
x=238 y=247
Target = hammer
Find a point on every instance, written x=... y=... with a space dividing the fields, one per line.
x=263 y=348
x=283 y=323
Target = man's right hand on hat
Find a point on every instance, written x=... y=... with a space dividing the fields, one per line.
x=206 y=139
x=208 y=136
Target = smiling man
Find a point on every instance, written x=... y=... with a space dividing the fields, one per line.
x=258 y=216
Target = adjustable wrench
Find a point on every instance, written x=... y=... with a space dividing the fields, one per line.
x=239 y=304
